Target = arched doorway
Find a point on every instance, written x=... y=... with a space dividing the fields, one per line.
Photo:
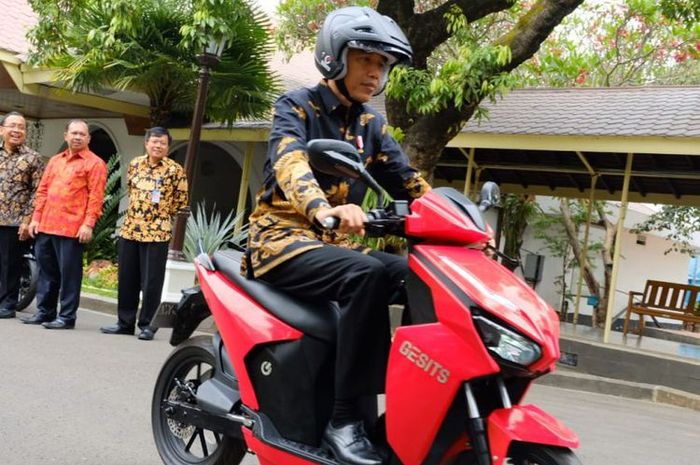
x=217 y=177
x=101 y=143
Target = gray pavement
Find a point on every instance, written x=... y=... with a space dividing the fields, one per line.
x=81 y=397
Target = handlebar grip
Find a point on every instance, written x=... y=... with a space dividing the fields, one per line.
x=331 y=222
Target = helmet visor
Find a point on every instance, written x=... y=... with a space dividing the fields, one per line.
x=393 y=54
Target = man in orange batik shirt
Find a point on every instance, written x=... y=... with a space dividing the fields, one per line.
x=68 y=203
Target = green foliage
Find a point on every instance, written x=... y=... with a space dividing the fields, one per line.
x=103 y=275
x=469 y=74
x=150 y=46
x=212 y=230
x=391 y=244
x=680 y=223
x=518 y=212
x=549 y=228
x=301 y=20
x=103 y=244
x=682 y=10
x=623 y=42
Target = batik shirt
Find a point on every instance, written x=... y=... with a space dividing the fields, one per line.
x=70 y=193
x=20 y=173
x=156 y=194
x=282 y=225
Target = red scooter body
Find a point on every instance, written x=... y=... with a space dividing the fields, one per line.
x=454 y=383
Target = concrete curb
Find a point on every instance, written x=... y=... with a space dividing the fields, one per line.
x=98 y=303
x=582 y=382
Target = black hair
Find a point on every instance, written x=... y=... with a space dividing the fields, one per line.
x=12 y=113
x=77 y=120
x=158 y=131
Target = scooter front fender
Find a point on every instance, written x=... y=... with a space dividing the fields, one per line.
x=525 y=423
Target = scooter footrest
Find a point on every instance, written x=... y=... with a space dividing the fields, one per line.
x=264 y=430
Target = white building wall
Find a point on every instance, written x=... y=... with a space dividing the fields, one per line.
x=638 y=263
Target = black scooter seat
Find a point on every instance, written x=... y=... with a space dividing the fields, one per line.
x=317 y=319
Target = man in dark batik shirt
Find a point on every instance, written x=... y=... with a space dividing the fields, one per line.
x=157 y=189
x=20 y=173
x=287 y=246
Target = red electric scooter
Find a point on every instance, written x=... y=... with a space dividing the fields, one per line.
x=457 y=374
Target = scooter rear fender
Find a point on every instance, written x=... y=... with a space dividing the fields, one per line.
x=529 y=424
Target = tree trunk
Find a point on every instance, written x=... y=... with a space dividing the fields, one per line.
x=587 y=271
x=607 y=254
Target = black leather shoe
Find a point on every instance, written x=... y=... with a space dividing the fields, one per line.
x=117 y=329
x=58 y=323
x=36 y=319
x=5 y=313
x=350 y=445
x=147 y=334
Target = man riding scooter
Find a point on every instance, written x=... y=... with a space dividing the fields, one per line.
x=288 y=247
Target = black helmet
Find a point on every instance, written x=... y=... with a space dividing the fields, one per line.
x=361 y=28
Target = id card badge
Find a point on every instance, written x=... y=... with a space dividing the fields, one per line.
x=155 y=196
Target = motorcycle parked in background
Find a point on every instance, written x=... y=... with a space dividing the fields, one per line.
x=29 y=274
x=457 y=375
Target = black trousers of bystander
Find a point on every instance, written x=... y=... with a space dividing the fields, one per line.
x=60 y=261
x=141 y=269
x=11 y=250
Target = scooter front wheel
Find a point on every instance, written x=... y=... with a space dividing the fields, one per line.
x=536 y=454
x=189 y=365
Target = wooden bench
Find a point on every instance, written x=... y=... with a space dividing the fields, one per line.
x=662 y=299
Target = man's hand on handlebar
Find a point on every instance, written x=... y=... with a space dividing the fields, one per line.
x=352 y=218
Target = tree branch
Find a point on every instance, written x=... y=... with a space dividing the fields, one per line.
x=429 y=29
x=534 y=27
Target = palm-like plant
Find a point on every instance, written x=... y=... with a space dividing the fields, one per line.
x=103 y=245
x=150 y=46
x=213 y=232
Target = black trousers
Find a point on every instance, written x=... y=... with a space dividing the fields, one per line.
x=60 y=262
x=363 y=285
x=141 y=269
x=11 y=251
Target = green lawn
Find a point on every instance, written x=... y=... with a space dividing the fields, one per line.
x=99 y=291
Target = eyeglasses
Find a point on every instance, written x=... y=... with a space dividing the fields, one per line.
x=15 y=127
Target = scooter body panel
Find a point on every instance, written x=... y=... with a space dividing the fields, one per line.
x=243 y=324
x=434 y=218
x=427 y=366
x=472 y=276
x=526 y=424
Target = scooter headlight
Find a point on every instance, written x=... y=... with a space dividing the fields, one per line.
x=506 y=343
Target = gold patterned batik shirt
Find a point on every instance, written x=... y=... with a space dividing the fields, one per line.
x=282 y=224
x=156 y=194
x=20 y=173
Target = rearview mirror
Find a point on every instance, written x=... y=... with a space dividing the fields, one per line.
x=490 y=196
x=335 y=157
x=339 y=158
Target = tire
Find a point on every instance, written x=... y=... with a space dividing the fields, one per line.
x=191 y=363
x=536 y=454
x=29 y=275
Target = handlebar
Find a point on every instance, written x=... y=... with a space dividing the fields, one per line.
x=333 y=222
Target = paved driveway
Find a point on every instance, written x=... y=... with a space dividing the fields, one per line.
x=81 y=397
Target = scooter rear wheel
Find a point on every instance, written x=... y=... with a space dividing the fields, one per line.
x=536 y=454
x=189 y=365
